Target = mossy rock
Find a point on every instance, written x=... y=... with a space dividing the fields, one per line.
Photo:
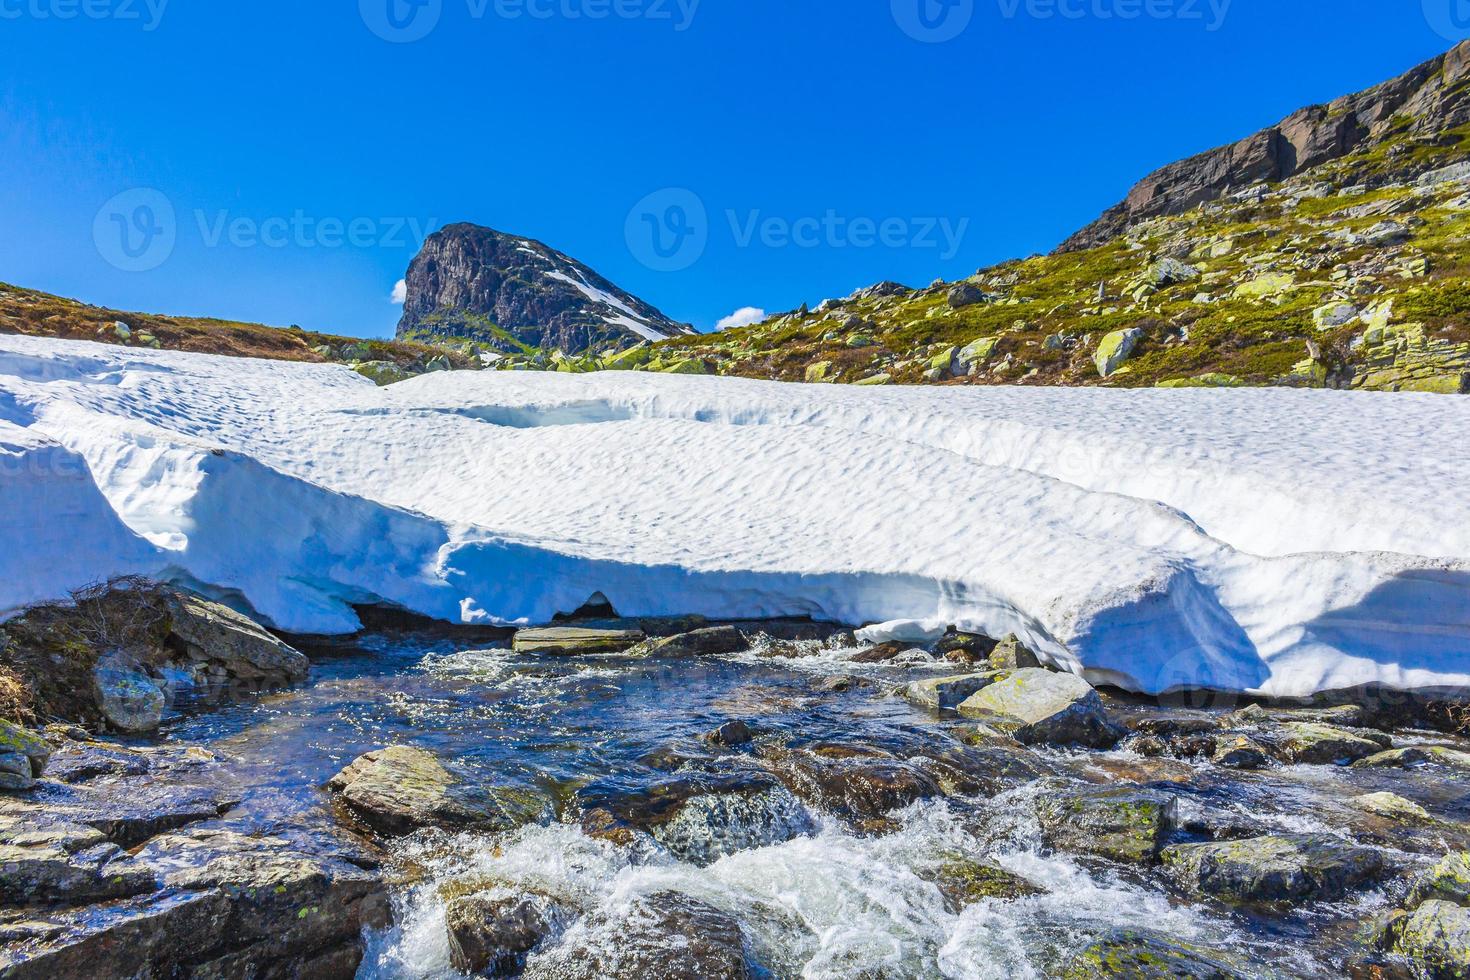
x=966 y=881
x=1138 y=955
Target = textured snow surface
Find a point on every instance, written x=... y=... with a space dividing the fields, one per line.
x=1277 y=541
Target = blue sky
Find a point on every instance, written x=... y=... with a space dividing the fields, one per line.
x=828 y=145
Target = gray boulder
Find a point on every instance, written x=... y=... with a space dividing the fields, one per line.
x=967 y=294
x=1012 y=654
x=400 y=789
x=129 y=698
x=1042 y=706
x=948 y=693
x=224 y=643
x=23 y=757
x=1285 y=868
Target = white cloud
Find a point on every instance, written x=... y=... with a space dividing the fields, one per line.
x=742 y=317
x=400 y=293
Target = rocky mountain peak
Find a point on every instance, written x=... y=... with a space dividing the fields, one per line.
x=1422 y=104
x=513 y=293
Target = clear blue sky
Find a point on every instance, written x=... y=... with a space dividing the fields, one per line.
x=1024 y=126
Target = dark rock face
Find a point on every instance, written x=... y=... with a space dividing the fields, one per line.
x=490 y=935
x=477 y=283
x=1428 y=100
x=1120 y=823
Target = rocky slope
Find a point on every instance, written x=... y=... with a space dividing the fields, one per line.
x=1423 y=105
x=1329 y=251
x=479 y=284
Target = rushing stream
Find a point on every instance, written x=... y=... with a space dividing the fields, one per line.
x=815 y=896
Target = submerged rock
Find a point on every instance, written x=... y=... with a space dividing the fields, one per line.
x=1042 y=706
x=698 y=817
x=1123 y=824
x=1415 y=756
x=1296 y=867
x=570 y=640
x=1137 y=955
x=667 y=935
x=853 y=782
x=400 y=789
x=965 y=882
x=1308 y=743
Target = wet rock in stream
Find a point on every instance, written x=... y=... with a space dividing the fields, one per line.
x=1277 y=868
x=1138 y=955
x=1122 y=824
x=667 y=935
x=1045 y=707
x=400 y=789
x=490 y=934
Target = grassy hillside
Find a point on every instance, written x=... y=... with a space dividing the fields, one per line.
x=37 y=314
x=1342 y=277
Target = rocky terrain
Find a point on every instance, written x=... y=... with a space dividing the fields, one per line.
x=476 y=284
x=1328 y=251
x=939 y=795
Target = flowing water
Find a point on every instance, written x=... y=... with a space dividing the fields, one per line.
x=815 y=897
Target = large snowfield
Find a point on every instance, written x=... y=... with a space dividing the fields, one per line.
x=1274 y=541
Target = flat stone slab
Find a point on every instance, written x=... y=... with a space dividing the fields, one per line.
x=569 y=640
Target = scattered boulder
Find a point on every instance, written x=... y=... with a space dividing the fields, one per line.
x=1284 y=868
x=1435 y=938
x=1122 y=824
x=712 y=642
x=964 y=648
x=1116 y=348
x=23 y=757
x=1415 y=756
x=400 y=789
x=667 y=935
x=224 y=644
x=1137 y=955
x=1012 y=654
x=1042 y=706
x=382 y=373
x=490 y=935
x=967 y=294
x=1307 y=743
x=976 y=353
x=1447 y=881
x=130 y=700
x=856 y=783
x=562 y=641
x=1240 y=752
x=947 y=693
x=1391 y=806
